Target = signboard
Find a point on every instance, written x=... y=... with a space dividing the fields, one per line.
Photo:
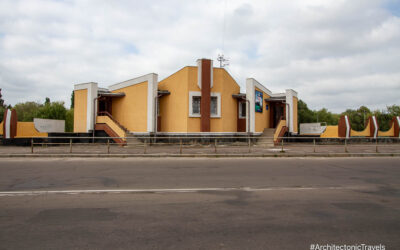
x=49 y=125
x=259 y=101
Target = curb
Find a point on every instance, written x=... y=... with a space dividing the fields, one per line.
x=276 y=155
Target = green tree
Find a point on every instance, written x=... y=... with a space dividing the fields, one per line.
x=72 y=99
x=305 y=115
x=27 y=111
x=383 y=119
x=358 y=118
x=2 y=107
x=69 y=121
x=393 y=110
x=54 y=110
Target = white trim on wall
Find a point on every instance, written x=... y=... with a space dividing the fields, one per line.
x=199 y=75
x=191 y=94
x=91 y=109
x=347 y=126
x=375 y=126
x=250 y=93
x=152 y=88
x=290 y=93
x=198 y=93
x=7 y=124
x=218 y=95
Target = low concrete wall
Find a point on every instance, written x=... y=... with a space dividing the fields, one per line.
x=311 y=128
x=49 y=125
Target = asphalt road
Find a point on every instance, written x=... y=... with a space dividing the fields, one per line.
x=286 y=203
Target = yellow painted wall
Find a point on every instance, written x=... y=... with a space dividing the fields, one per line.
x=131 y=110
x=262 y=120
x=278 y=129
x=174 y=108
x=331 y=132
x=229 y=105
x=295 y=125
x=27 y=129
x=388 y=133
x=80 y=110
x=1 y=128
x=193 y=123
x=107 y=120
x=366 y=132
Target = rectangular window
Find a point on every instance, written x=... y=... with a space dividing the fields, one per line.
x=214 y=105
x=242 y=110
x=196 y=105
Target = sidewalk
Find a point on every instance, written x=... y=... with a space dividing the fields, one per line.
x=289 y=150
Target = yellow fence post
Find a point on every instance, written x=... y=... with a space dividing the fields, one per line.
x=249 y=145
x=215 y=146
x=31 y=146
x=180 y=146
x=282 y=145
x=376 y=145
x=345 y=146
x=108 y=146
x=145 y=145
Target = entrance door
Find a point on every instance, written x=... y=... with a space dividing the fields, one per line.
x=278 y=113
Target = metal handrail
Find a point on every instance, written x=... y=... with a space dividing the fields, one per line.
x=100 y=113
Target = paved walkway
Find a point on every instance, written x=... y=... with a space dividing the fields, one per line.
x=289 y=149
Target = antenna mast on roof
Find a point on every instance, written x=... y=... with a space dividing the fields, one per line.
x=222 y=60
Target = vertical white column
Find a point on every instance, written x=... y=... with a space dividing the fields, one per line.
x=290 y=93
x=91 y=107
x=250 y=116
x=152 y=88
x=7 y=123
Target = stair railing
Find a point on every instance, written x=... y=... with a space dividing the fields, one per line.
x=105 y=113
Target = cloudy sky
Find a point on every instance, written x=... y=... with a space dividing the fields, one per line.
x=337 y=54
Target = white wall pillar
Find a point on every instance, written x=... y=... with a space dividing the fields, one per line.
x=250 y=116
x=152 y=89
x=290 y=93
x=91 y=108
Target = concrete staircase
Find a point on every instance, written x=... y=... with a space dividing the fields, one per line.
x=267 y=138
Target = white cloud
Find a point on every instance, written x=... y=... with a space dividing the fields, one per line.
x=336 y=54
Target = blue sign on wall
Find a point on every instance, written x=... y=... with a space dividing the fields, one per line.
x=266 y=106
x=259 y=101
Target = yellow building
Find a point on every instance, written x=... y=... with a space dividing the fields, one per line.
x=195 y=100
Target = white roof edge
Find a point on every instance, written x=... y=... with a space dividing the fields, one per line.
x=278 y=95
x=294 y=93
x=260 y=86
x=86 y=85
x=131 y=82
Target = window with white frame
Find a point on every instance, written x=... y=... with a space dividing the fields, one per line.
x=214 y=105
x=242 y=110
x=195 y=103
x=196 y=100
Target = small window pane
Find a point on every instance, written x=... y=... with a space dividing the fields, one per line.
x=242 y=109
x=196 y=104
x=214 y=105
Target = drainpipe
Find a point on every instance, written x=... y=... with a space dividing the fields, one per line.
x=94 y=115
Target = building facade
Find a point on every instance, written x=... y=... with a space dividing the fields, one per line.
x=195 y=100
